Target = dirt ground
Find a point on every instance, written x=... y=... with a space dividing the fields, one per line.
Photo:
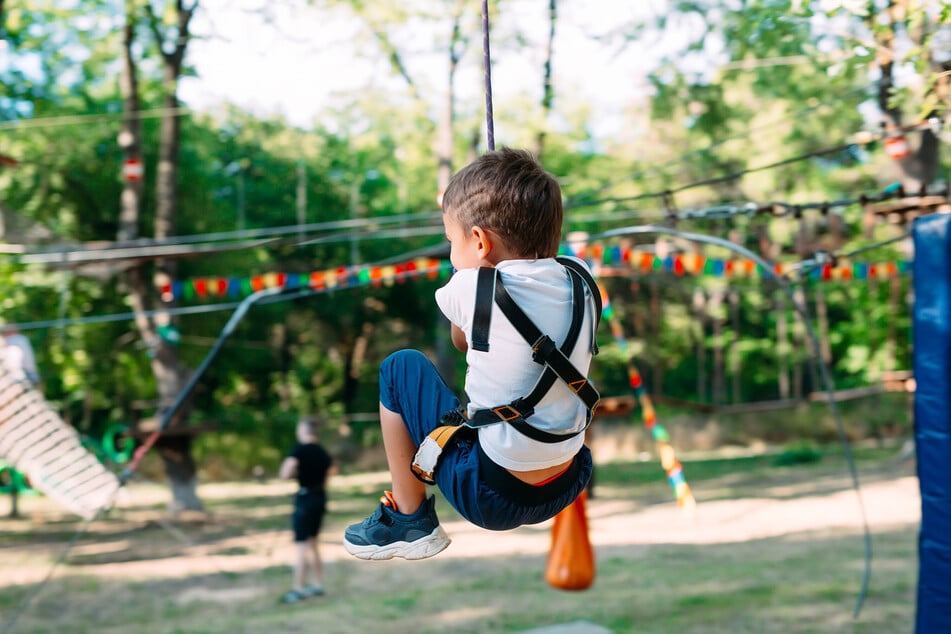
x=888 y=503
x=135 y=543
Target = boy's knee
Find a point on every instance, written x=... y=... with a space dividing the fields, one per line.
x=399 y=362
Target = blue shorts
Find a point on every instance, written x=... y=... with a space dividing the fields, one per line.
x=482 y=492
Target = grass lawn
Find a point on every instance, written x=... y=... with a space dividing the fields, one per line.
x=770 y=549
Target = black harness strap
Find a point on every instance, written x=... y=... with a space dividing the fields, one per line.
x=574 y=267
x=482 y=316
x=544 y=352
x=547 y=379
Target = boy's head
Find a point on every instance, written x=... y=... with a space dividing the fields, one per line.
x=307 y=430
x=508 y=195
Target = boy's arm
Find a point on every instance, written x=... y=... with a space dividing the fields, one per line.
x=459 y=338
x=288 y=468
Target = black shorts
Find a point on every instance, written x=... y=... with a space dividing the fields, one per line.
x=309 y=507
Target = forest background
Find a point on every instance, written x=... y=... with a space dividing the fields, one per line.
x=115 y=190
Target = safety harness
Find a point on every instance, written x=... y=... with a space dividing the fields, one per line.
x=489 y=290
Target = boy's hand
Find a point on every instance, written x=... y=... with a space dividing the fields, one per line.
x=459 y=338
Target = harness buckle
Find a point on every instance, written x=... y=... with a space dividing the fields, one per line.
x=542 y=349
x=430 y=450
x=424 y=463
x=507 y=412
x=577 y=386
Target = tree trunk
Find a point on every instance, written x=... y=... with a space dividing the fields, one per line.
x=457 y=46
x=655 y=328
x=719 y=385
x=822 y=323
x=175 y=451
x=891 y=342
x=800 y=346
x=548 y=93
x=735 y=353
x=782 y=344
x=919 y=168
x=700 y=344
x=170 y=375
x=445 y=352
x=14 y=497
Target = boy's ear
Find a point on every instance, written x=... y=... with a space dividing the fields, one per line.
x=483 y=241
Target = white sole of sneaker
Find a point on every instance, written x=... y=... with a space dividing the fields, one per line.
x=424 y=547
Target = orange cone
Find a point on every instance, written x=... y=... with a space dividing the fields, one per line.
x=571 y=558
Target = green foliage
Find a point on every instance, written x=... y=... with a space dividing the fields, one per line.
x=714 y=110
x=798 y=453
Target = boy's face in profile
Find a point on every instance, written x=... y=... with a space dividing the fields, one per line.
x=463 y=246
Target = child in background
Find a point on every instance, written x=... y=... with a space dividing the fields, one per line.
x=312 y=466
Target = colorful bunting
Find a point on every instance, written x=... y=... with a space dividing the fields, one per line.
x=612 y=261
x=330 y=279
x=618 y=261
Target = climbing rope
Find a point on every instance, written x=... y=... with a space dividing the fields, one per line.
x=487 y=74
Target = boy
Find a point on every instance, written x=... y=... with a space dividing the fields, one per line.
x=516 y=454
x=312 y=466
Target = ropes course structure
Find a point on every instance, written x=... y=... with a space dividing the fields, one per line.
x=36 y=441
x=33 y=413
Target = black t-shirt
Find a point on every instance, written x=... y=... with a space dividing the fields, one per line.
x=313 y=461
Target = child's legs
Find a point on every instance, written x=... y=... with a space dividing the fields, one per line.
x=300 y=564
x=308 y=516
x=413 y=396
x=408 y=491
x=315 y=563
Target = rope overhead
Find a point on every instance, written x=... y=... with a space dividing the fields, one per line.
x=487 y=73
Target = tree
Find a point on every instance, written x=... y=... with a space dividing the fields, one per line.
x=171 y=34
x=802 y=54
x=899 y=23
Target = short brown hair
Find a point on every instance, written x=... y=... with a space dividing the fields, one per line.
x=507 y=192
x=310 y=424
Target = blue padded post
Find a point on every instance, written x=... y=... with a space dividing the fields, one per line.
x=932 y=365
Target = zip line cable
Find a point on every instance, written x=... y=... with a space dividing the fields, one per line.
x=367 y=228
x=61 y=120
x=248 y=238
x=487 y=77
x=821 y=258
x=775 y=209
x=128 y=316
x=865 y=140
x=817 y=355
x=85 y=257
x=266 y=232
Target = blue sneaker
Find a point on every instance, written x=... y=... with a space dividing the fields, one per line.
x=388 y=533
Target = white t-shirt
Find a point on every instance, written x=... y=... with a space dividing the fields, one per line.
x=542 y=289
